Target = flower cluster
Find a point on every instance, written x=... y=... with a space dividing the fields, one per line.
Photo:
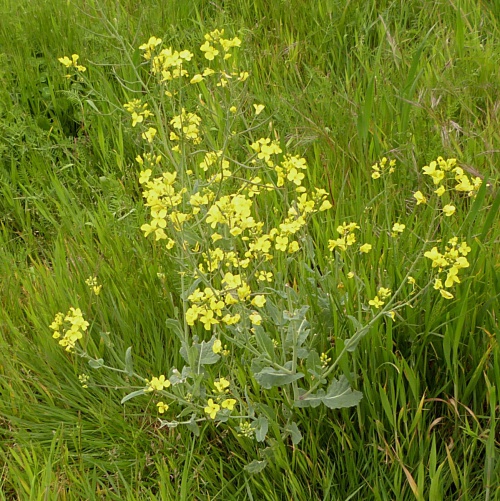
x=92 y=283
x=157 y=383
x=215 y=39
x=347 y=237
x=449 y=263
x=448 y=177
x=221 y=401
x=138 y=110
x=187 y=127
x=168 y=64
x=383 y=167
x=379 y=300
x=441 y=169
x=76 y=324
x=72 y=63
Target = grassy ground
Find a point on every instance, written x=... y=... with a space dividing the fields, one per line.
x=344 y=83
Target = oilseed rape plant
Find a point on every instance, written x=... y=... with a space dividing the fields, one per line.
x=229 y=212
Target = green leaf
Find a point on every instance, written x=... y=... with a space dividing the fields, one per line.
x=269 y=377
x=134 y=394
x=255 y=466
x=129 y=365
x=97 y=363
x=340 y=395
x=260 y=426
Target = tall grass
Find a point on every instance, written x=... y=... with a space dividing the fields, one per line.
x=346 y=83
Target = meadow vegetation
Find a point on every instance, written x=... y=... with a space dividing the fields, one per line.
x=249 y=250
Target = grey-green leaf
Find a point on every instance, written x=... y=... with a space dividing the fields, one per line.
x=129 y=365
x=96 y=363
x=207 y=355
x=294 y=432
x=269 y=377
x=340 y=395
x=174 y=325
x=134 y=394
x=260 y=426
x=311 y=400
x=255 y=466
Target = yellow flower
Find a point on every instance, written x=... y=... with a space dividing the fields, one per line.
x=212 y=408
x=221 y=385
x=258 y=108
x=162 y=407
x=144 y=176
x=384 y=293
x=233 y=109
x=376 y=302
x=281 y=243
x=229 y=404
x=420 y=198
x=217 y=347
x=293 y=247
x=149 y=134
x=151 y=43
x=255 y=318
x=452 y=277
x=440 y=191
x=136 y=119
x=398 y=228
x=196 y=79
x=365 y=248
x=264 y=276
x=446 y=294
x=438 y=284
x=157 y=383
x=210 y=52
x=259 y=301
x=325 y=205
x=449 y=210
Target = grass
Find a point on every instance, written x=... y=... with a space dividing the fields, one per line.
x=345 y=83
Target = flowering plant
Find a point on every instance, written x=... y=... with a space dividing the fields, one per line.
x=229 y=210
